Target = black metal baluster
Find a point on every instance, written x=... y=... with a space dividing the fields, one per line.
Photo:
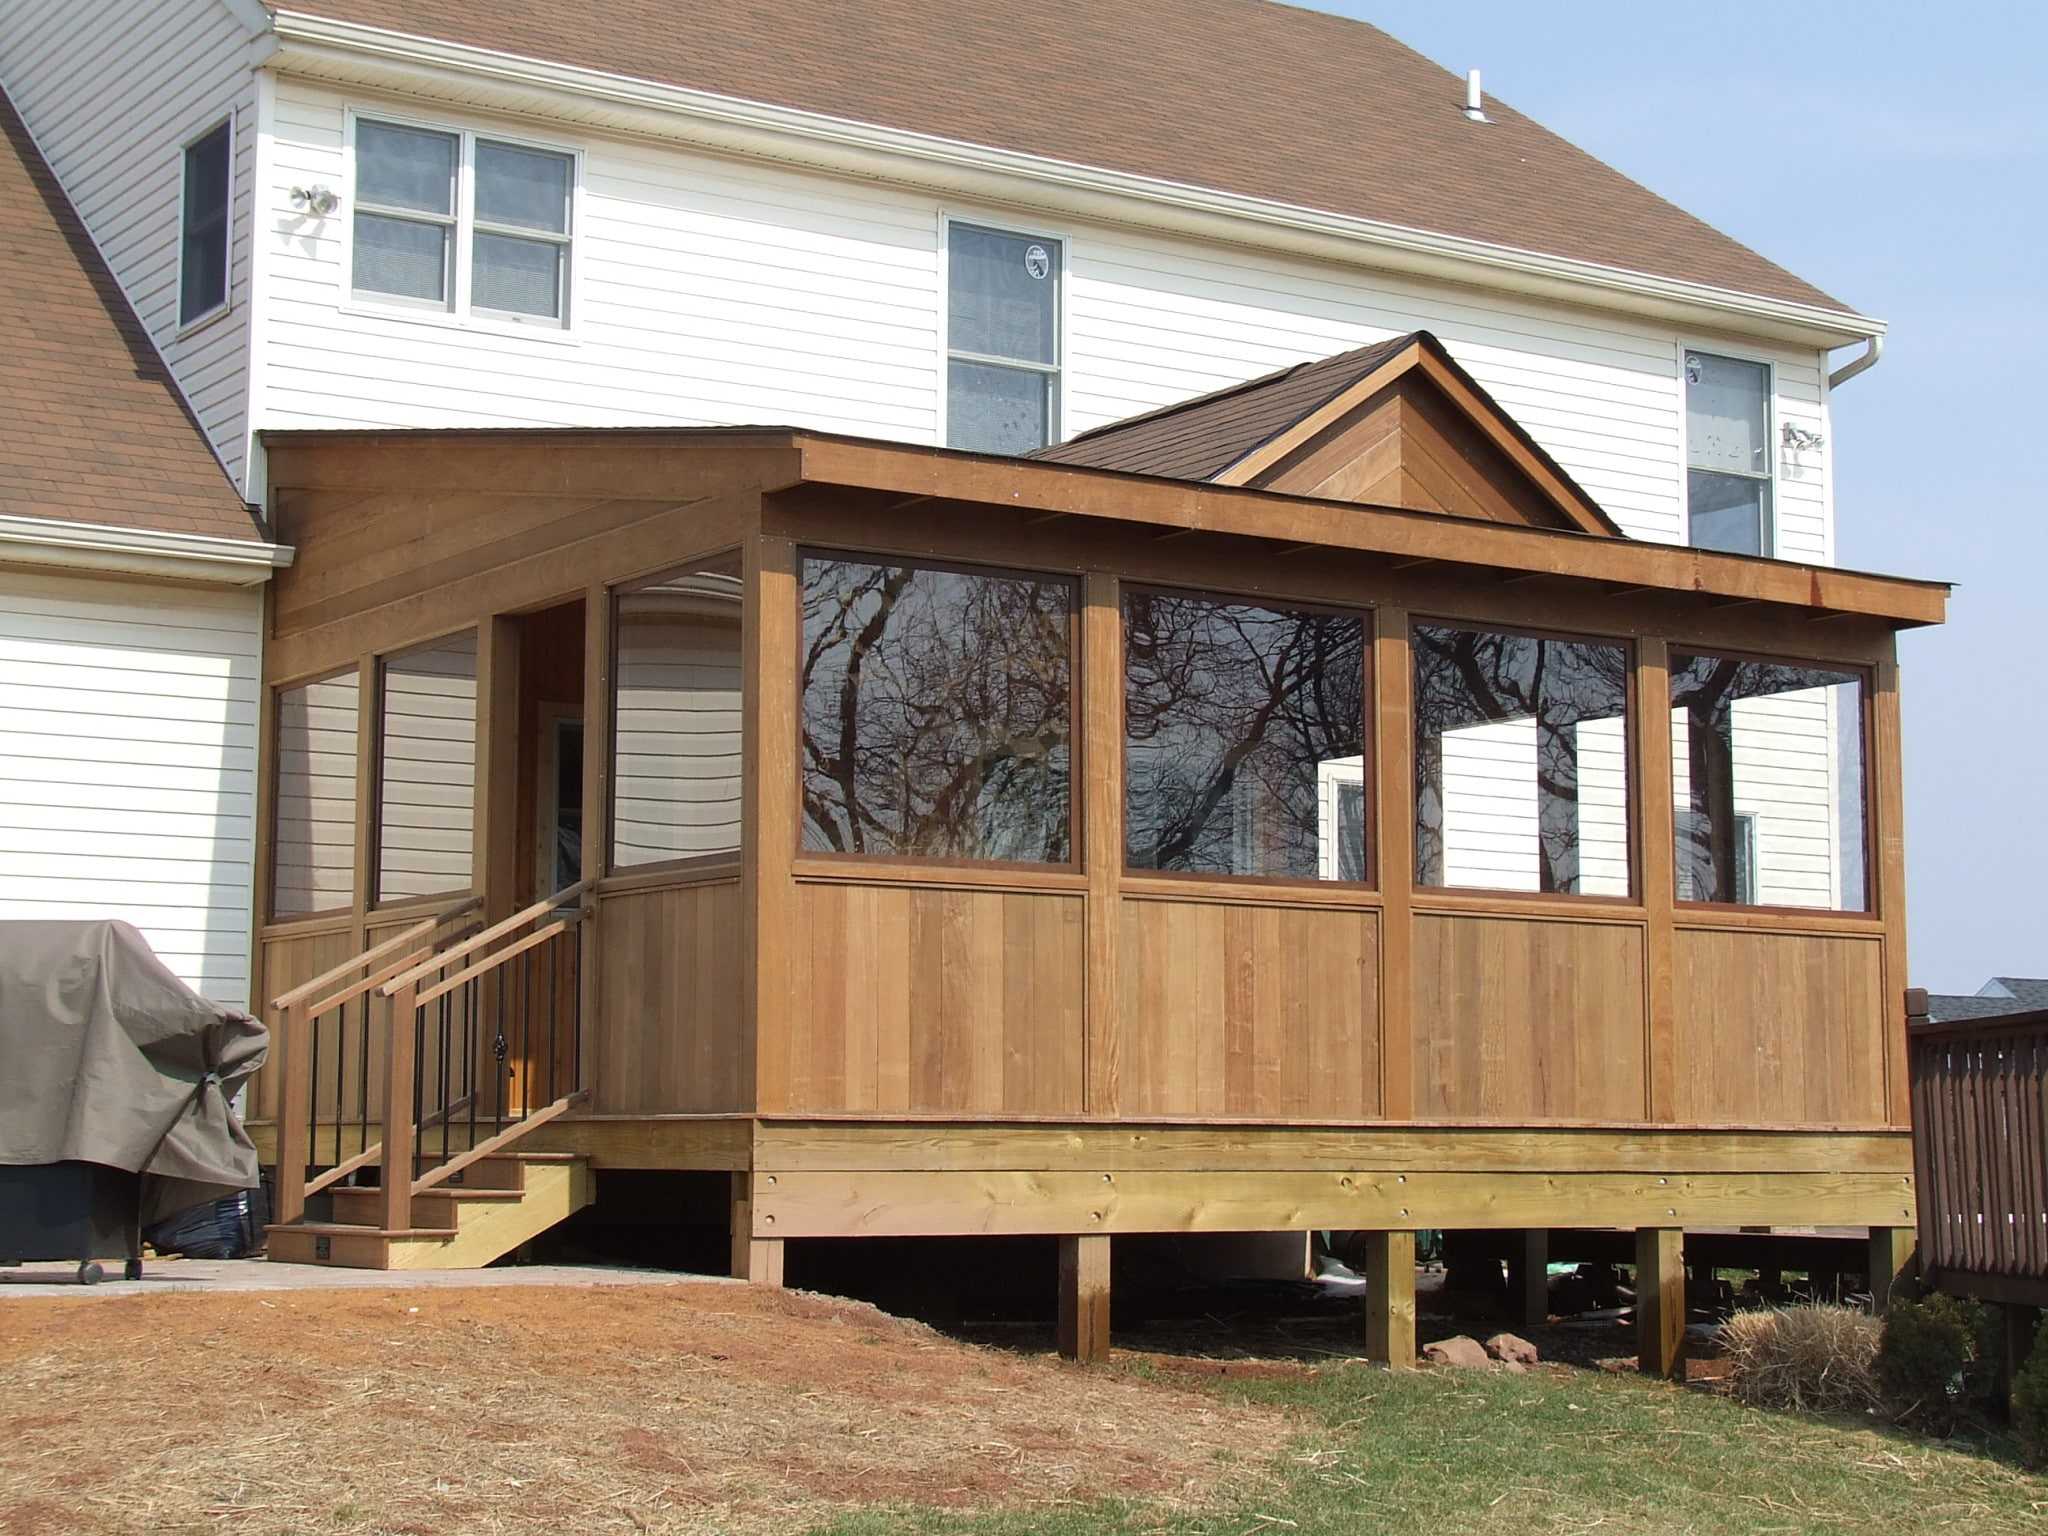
x=472 y=1008
x=498 y=1057
x=363 y=1079
x=447 y=1105
x=553 y=979
x=419 y=1082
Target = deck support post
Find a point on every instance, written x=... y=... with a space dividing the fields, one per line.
x=1529 y=1277
x=1660 y=1300
x=1390 y=1299
x=1084 y=1296
x=756 y=1260
x=1892 y=1260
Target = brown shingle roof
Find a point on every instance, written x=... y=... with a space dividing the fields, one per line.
x=1200 y=438
x=1240 y=96
x=91 y=427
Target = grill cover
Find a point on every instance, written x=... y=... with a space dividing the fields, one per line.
x=106 y=1057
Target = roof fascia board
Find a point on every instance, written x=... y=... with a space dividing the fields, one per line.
x=1278 y=446
x=323 y=48
x=49 y=541
x=1079 y=491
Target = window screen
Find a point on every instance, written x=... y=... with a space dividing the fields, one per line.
x=1002 y=336
x=313 y=847
x=936 y=711
x=426 y=770
x=1767 y=782
x=1521 y=762
x=1244 y=738
x=676 y=717
x=404 y=212
x=203 y=258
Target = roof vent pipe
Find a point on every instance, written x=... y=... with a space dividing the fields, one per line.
x=1475 y=102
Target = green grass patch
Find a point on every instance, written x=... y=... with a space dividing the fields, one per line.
x=1558 y=1451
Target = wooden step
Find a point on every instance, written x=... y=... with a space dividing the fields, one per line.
x=505 y=1170
x=434 y=1209
x=454 y=1227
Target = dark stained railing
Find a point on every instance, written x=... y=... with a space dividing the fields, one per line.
x=1980 y=1153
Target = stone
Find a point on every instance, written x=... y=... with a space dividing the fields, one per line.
x=1459 y=1351
x=1514 y=1351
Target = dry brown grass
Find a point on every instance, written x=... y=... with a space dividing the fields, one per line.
x=695 y=1409
x=1806 y=1359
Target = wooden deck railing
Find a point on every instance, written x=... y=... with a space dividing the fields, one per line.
x=482 y=1054
x=1980 y=1153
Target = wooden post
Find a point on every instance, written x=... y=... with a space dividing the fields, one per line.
x=1529 y=1277
x=291 y=1049
x=1884 y=774
x=1892 y=1259
x=398 y=1127
x=597 y=832
x=768 y=820
x=1102 y=834
x=1393 y=669
x=756 y=1260
x=1390 y=1299
x=1660 y=1300
x=1084 y=1296
x=1656 y=861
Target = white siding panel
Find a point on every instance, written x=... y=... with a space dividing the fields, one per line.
x=112 y=91
x=128 y=771
x=715 y=291
x=426 y=791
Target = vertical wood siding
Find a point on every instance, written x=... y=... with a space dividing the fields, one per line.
x=128 y=721
x=112 y=91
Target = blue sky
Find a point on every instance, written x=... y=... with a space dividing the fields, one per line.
x=1897 y=157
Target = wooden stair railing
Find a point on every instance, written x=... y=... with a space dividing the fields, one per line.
x=516 y=997
x=320 y=1007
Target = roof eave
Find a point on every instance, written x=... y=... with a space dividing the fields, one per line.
x=106 y=548
x=348 y=52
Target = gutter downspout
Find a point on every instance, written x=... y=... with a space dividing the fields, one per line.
x=1863 y=362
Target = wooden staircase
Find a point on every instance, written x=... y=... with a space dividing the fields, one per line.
x=505 y=1201
x=440 y=1043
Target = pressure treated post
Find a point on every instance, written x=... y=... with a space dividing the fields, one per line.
x=1892 y=1259
x=398 y=1126
x=1084 y=1296
x=1529 y=1277
x=1660 y=1300
x=292 y=1050
x=1390 y=1299
x=756 y=1260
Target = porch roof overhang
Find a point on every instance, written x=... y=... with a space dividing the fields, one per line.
x=683 y=463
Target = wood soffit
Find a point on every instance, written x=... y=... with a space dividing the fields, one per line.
x=679 y=464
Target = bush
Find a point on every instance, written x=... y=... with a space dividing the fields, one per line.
x=2030 y=1398
x=1811 y=1358
x=1924 y=1360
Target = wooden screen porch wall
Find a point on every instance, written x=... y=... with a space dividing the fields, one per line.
x=854 y=1033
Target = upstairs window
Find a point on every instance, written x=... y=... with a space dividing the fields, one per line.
x=462 y=224
x=1002 y=339
x=203 y=228
x=1728 y=453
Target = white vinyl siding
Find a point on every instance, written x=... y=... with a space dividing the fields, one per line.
x=128 y=714
x=1491 y=827
x=714 y=291
x=113 y=91
x=676 y=776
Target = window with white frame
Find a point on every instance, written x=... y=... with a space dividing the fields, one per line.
x=1728 y=453
x=203 y=224
x=1002 y=339
x=461 y=223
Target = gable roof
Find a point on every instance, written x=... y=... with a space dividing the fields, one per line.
x=1244 y=97
x=92 y=429
x=1244 y=435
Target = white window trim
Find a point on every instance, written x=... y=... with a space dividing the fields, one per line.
x=184 y=327
x=1733 y=354
x=1055 y=427
x=458 y=311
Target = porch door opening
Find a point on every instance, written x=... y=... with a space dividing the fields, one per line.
x=544 y=851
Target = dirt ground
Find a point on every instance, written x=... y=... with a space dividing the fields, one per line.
x=704 y=1408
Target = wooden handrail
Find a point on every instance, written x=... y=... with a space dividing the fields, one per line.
x=443 y=958
x=398 y=940
x=497 y=958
